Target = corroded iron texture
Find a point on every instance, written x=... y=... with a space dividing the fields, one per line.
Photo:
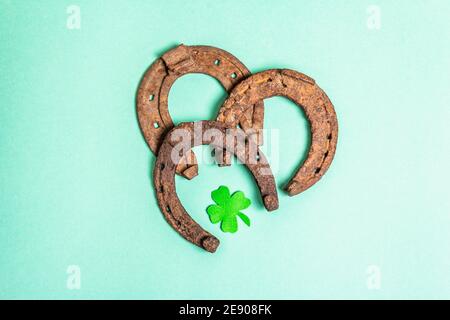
x=165 y=169
x=302 y=90
x=153 y=93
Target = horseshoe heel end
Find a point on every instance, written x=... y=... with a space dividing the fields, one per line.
x=190 y=172
x=292 y=188
x=187 y=167
x=270 y=202
x=210 y=243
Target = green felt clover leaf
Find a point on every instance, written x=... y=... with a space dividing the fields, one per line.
x=227 y=208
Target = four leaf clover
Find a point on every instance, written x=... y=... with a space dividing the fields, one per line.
x=227 y=208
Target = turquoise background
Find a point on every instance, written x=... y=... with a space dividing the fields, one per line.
x=75 y=172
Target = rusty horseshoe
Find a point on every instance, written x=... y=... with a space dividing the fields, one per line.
x=304 y=92
x=153 y=92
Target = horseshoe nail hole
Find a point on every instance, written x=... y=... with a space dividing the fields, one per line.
x=152 y=97
x=155 y=125
x=269 y=80
x=233 y=75
x=325 y=154
x=329 y=137
x=317 y=170
x=258 y=157
x=161 y=189
x=168 y=209
x=213 y=152
x=217 y=62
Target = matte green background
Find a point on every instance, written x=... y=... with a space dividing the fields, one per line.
x=75 y=172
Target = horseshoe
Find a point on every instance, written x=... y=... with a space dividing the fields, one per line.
x=153 y=93
x=318 y=108
x=199 y=133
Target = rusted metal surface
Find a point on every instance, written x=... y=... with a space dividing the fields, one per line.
x=302 y=90
x=165 y=168
x=153 y=92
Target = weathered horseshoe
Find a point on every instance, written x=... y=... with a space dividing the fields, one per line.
x=303 y=91
x=153 y=93
x=197 y=134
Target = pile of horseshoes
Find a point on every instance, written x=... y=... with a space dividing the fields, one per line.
x=243 y=107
